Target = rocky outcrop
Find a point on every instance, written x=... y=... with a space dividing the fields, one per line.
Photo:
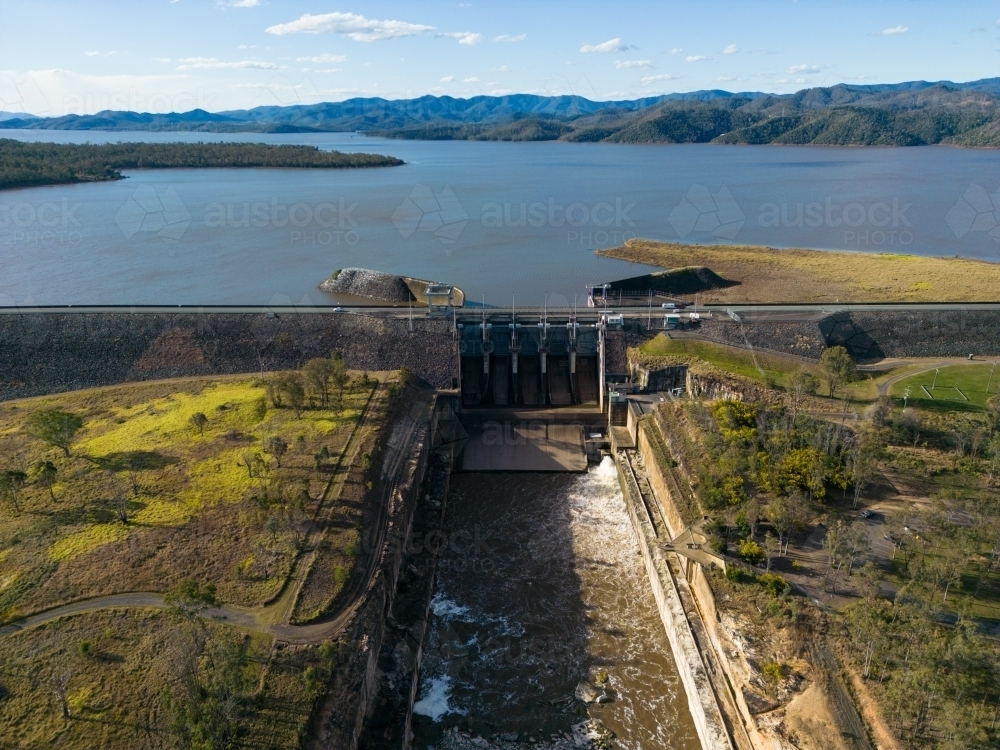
x=363 y=282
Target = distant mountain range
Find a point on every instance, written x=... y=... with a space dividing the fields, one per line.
x=903 y=114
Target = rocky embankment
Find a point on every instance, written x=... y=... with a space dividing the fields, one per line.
x=871 y=336
x=363 y=282
x=49 y=353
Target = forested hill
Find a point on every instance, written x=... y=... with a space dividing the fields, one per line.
x=840 y=116
x=26 y=164
x=899 y=114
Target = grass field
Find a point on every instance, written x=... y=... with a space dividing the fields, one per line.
x=192 y=508
x=959 y=387
x=793 y=275
x=116 y=689
x=193 y=511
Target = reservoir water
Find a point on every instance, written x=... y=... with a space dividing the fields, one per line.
x=494 y=218
x=541 y=586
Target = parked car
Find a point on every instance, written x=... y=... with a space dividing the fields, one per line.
x=866 y=513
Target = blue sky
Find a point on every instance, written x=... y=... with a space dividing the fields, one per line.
x=163 y=55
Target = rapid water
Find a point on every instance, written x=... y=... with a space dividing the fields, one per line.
x=540 y=587
x=493 y=218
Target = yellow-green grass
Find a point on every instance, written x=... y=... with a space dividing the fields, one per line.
x=956 y=387
x=795 y=275
x=776 y=369
x=116 y=690
x=191 y=516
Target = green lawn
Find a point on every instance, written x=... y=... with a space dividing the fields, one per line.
x=962 y=387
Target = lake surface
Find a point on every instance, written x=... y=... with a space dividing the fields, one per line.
x=494 y=218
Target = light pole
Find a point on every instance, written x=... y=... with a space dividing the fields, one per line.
x=990 y=381
x=906 y=396
x=936 y=373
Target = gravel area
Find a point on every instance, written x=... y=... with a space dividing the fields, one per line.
x=362 y=282
x=49 y=353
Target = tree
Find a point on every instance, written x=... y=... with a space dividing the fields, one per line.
x=338 y=375
x=277 y=447
x=868 y=453
x=11 y=484
x=802 y=384
x=44 y=474
x=881 y=411
x=60 y=686
x=772 y=548
x=840 y=367
x=316 y=373
x=55 y=427
x=833 y=545
x=189 y=598
x=199 y=421
x=122 y=503
x=292 y=389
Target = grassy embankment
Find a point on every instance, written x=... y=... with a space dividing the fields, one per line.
x=775 y=370
x=144 y=500
x=769 y=275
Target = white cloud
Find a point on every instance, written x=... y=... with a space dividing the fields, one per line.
x=473 y=79
x=723 y=79
x=612 y=45
x=625 y=64
x=977 y=30
x=731 y=50
x=239 y=3
x=161 y=59
x=695 y=58
x=502 y=69
x=447 y=79
x=510 y=38
x=660 y=77
x=464 y=37
x=326 y=57
x=804 y=69
x=248 y=46
x=99 y=54
x=357 y=27
x=893 y=31
x=210 y=63
x=676 y=50
x=330 y=70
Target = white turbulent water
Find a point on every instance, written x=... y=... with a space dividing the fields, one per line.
x=554 y=592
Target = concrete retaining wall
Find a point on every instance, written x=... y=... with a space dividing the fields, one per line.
x=704 y=708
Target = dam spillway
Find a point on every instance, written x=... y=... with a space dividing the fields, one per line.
x=529 y=362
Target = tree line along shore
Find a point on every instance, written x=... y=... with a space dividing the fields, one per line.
x=31 y=164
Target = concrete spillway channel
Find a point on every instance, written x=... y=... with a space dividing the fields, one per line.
x=524 y=616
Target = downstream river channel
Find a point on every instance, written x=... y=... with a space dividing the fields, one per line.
x=493 y=218
x=540 y=587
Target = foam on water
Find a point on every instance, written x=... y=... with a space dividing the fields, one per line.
x=434 y=703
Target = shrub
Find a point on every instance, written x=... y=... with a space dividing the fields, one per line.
x=751 y=552
x=774 y=671
x=775 y=584
x=339 y=575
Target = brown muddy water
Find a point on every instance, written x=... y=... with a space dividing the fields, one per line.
x=541 y=586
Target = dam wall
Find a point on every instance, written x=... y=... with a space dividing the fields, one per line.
x=708 y=719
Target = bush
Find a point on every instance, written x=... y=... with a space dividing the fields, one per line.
x=774 y=671
x=775 y=584
x=751 y=552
